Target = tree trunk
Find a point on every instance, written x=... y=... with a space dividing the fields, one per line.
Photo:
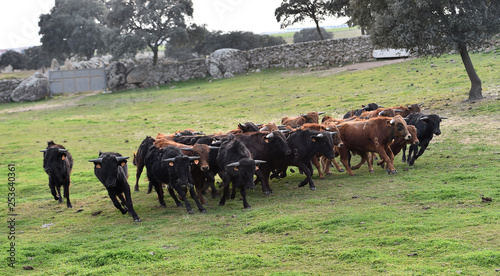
x=155 y=55
x=318 y=29
x=476 y=88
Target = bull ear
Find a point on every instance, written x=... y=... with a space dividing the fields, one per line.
x=171 y=164
x=63 y=157
x=98 y=166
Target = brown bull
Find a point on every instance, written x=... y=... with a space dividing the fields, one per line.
x=399 y=143
x=409 y=109
x=373 y=135
x=294 y=122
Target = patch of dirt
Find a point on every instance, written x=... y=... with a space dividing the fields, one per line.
x=71 y=101
x=318 y=72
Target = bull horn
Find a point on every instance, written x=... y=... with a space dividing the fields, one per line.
x=303 y=115
x=187 y=149
x=381 y=106
x=424 y=118
x=321 y=113
x=260 y=161
x=242 y=125
x=319 y=135
x=63 y=150
x=333 y=132
x=381 y=112
x=194 y=158
x=98 y=160
x=420 y=104
x=121 y=158
x=285 y=130
x=263 y=129
x=198 y=133
x=44 y=150
x=270 y=136
x=398 y=110
x=169 y=159
x=213 y=148
x=234 y=164
x=442 y=118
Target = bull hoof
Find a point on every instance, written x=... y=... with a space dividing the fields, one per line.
x=329 y=173
x=203 y=211
x=341 y=170
x=322 y=178
x=190 y=211
x=394 y=172
x=123 y=211
x=69 y=206
x=312 y=188
x=137 y=220
x=248 y=207
x=267 y=192
x=372 y=171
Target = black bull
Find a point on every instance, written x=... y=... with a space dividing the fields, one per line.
x=58 y=163
x=111 y=169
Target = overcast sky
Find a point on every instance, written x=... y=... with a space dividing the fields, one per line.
x=19 y=18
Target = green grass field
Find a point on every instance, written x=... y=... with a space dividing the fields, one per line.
x=427 y=219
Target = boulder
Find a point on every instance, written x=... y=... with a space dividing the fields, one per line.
x=222 y=61
x=138 y=75
x=6 y=88
x=54 y=65
x=117 y=76
x=33 y=88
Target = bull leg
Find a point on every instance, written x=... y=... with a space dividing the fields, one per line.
x=117 y=204
x=369 y=161
x=159 y=191
x=316 y=164
x=194 y=196
x=209 y=181
x=138 y=176
x=58 y=192
x=325 y=165
x=263 y=174
x=344 y=159
x=423 y=147
x=305 y=169
x=388 y=157
x=128 y=203
x=53 y=190
x=404 y=154
x=182 y=194
x=225 y=185
x=66 y=195
x=243 y=192
x=174 y=196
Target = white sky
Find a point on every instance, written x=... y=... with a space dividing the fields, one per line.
x=19 y=18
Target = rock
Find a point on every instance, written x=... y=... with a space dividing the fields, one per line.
x=68 y=65
x=6 y=88
x=8 y=69
x=138 y=74
x=33 y=88
x=117 y=76
x=227 y=60
x=54 y=65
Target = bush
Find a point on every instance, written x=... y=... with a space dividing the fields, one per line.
x=15 y=59
x=310 y=34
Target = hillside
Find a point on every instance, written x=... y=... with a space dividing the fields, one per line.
x=430 y=218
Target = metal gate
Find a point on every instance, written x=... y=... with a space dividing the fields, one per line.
x=70 y=81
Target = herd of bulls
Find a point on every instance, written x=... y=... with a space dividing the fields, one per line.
x=189 y=160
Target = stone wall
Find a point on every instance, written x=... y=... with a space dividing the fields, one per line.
x=129 y=74
x=332 y=52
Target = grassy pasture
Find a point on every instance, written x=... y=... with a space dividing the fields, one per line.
x=427 y=219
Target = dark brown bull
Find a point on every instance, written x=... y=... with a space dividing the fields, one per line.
x=373 y=135
x=409 y=109
x=58 y=164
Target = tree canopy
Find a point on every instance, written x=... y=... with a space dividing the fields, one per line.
x=431 y=27
x=310 y=34
x=73 y=27
x=296 y=11
x=149 y=23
